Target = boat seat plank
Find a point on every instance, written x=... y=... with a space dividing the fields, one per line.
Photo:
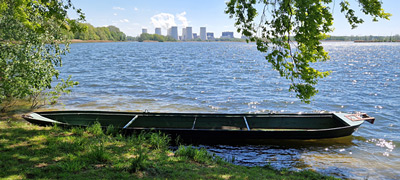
x=247 y=124
x=194 y=122
x=131 y=121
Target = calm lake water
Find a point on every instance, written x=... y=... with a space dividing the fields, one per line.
x=235 y=78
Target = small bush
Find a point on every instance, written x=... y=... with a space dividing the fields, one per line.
x=111 y=130
x=159 y=140
x=95 y=129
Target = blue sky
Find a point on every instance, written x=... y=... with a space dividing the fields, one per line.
x=133 y=15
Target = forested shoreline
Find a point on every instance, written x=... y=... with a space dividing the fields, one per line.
x=109 y=33
x=113 y=33
x=370 y=38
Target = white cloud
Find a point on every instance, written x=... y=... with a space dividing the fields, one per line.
x=124 y=20
x=135 y=8
x=115 y=14
x=163 y=20
x=166 y=20
x=181 y=17
x=118 y=8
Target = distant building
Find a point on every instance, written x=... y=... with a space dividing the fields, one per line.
x=203 y=34
x=173 y=32
x=189 y=33
x=210 y=36
x=183 y=34
x=227 y=35
x=144 y=31
x=195 y=36
x=158 y=31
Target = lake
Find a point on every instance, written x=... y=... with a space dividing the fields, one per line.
x=235 y=78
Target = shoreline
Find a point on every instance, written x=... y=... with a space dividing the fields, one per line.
x=92 y=41
x=367 y=41
x=150 y=41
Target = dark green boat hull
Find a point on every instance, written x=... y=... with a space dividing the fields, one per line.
x=209 y=128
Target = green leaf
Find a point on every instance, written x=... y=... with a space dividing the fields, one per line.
x=290 y=32
x=32 y=40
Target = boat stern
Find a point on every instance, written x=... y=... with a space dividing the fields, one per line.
x=355 y=119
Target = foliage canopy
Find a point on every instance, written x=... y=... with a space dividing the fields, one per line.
x=154 y=37
x=32 y=40
x=305 y=21
x=110 y=33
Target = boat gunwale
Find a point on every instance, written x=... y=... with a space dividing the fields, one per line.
x=230 y=130
x=316 y=115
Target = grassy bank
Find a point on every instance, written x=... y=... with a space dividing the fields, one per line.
x=29 y=151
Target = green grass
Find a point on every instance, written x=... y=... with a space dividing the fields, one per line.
x=29 y=151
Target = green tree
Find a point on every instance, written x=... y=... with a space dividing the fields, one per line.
x=33 y=36
x=131 y=38
x=91 y=30
x=307 y=21
x=154 y=37
x=103 y=33
x=116 y=34
x=144 y=37
x=158 y=38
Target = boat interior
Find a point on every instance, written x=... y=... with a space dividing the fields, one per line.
x=244 y=122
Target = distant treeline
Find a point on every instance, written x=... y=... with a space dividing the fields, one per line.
x=365 y=38
x=109 y=33
x=155 y=37
x=112 y=33
x=152 y=37
x=229 y=39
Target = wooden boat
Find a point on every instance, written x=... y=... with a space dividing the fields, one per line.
x=205 y=127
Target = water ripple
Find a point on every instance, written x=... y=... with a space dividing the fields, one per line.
x=235 y=78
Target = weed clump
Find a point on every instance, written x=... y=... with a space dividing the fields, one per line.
x=112 y=131
x=159 y=141
x=78 y=131
x=198 y=155
x=140 y=161
x=95 y=129
x=98 y=153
